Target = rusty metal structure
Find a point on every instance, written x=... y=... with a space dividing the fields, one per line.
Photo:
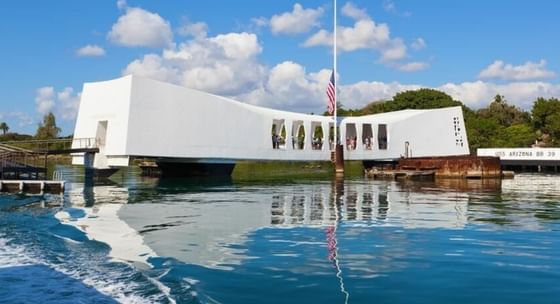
x=466 y=166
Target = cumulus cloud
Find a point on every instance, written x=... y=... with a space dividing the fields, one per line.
x=475 y=94
x=479 y=93
x=413 y=66
x=228 y=64
x=390 y=7
x=44 y=101
x=260 y=22
x=224 y=64
x=121 y=4
x=527 y=71
x=350 y=10
x=197 y=29
x=418 y=44
x=63 y=104
x=140 y=28
x=289 y=86
x=90 y=50
x=299 y=20
x=68 y=104
x=365 y=34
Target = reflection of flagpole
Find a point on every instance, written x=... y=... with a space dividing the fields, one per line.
x=332 y=244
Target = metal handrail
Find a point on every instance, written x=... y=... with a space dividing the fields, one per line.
x=43 y=145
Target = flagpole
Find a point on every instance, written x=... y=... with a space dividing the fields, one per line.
x=335 y=81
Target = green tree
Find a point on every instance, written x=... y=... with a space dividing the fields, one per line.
x=48 y=129
x=481 y=132
x=519 y=135
x=4 y=127
x=503 y=113
x=546 y=119
x=421 y=99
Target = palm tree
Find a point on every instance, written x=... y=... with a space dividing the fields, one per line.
x=4 y=127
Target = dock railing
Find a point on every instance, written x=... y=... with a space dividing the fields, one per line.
x=50 y=146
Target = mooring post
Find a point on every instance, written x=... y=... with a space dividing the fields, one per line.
x=88 y=168
x=339 y=159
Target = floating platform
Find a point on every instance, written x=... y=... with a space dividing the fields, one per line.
x=466 y=166
x=32 y=186
x=401 y=174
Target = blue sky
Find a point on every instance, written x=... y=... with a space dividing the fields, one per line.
x=276 y=53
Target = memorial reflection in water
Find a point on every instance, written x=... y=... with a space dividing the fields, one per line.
x=203 y=227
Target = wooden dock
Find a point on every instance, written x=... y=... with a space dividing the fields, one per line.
x=32 y=186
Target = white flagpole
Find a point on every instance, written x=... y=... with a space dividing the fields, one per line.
x=335 y=80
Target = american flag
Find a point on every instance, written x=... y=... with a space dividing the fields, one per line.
x=331 y=93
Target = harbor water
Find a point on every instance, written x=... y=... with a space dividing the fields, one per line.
x=288 y=240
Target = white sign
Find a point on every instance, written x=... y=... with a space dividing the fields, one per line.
x=522 y=153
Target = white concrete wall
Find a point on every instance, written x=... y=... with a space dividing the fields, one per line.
x=429 y=133
x=172 y=121
x=105 y=101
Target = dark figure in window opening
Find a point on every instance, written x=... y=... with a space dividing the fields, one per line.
x=367 y=143
x=293 y=142
x=383 y=143
x=274 y=141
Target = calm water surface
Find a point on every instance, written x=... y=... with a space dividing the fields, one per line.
x=144 y=240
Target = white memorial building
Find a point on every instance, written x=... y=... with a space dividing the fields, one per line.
x=180 y=127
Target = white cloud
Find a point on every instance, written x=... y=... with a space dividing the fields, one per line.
x=390 y=7
x=476 y=94
x=44 y=101
x=418 y=44
x=121 y=4
x=260 y=22
x=204 y=65
x=225 y=64
x=527 y=71
x=365 y=34
x=413 y=66
x=299 y=20
x=394 y=50
x=140 y=28
x=68 y=103
x=229 y=65
x=350 y=10
x=522 y=94
x=197 y=29
x=63 y=104
x=359 y=94
x=90 y=51
x=288 y=86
